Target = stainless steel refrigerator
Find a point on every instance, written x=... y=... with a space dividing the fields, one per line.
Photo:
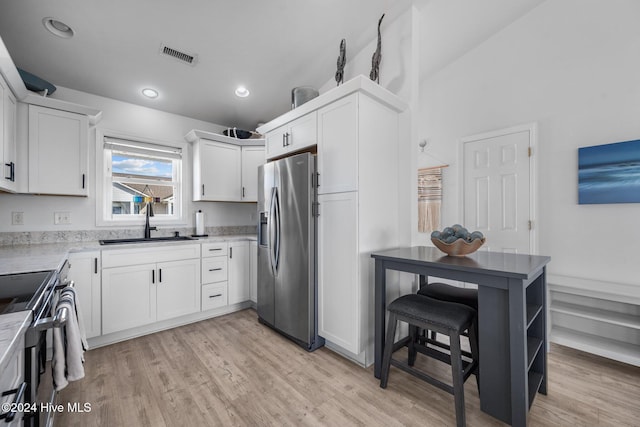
x=287 y=278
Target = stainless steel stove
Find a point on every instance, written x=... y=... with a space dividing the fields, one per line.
x=35 y=292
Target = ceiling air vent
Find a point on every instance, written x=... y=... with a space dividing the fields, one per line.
x=186 y=58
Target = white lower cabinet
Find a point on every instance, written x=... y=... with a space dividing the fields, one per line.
x=128 y=297
x=239 y=272
x=139 y=294
x=214 y=295
x=11 y=378
x=84 y=271
x=338 y=275
x=178 y=290
x=214 y=275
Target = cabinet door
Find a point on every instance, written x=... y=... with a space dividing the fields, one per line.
x=338 y=146
x=252 y=157
x=57 y=152
x=275 y=144
x=7 y=138
x=338 y=286
x=128 y=297
x=253 y=272
x=178 y=288
x=238 y=272
x=296 y=135
x=220 y=172
x=85 y=272
x=302 y=133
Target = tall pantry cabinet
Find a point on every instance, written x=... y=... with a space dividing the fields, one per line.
x=357 y=155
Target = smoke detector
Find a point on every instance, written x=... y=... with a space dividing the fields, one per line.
x=179 y=55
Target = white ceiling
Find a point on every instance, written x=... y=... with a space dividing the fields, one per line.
x=268 y=46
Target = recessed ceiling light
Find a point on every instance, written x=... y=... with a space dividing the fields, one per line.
x=150 y=93
x=58 y=28
x=242 y=92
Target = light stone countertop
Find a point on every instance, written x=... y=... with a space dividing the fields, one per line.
x=12 y=326
x=51 y=256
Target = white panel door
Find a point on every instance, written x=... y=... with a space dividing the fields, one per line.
x=339 y=304
x=252 y=157
x=178 y=288
x=238 y=290
x=58 y=159
x=338 y=146
x=497 y=190
x=85 y=272
x=220 y=171
x=128 y=297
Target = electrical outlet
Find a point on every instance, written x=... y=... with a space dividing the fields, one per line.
x=61 y=218
x=17 y=218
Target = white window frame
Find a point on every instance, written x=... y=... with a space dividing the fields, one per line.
x=104 y=216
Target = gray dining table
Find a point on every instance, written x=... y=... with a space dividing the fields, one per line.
x=512 y=319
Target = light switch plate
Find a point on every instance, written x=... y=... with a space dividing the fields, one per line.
x=61 y=218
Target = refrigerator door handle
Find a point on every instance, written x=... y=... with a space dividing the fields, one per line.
x=270 y=231
x=276 y=211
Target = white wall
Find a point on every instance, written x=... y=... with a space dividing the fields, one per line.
x=572 y=67
x=132 y=120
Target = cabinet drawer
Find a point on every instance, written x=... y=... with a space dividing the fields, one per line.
x=214 y=269
x=214 y=295
x=12 y=375
x=143 y=255
x=214 y=249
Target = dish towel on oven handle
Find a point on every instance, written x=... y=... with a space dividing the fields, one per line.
x=68 y=347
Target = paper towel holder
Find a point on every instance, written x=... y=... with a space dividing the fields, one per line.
x=199 y=235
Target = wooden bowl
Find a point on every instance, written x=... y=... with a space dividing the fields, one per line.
x=458 y=248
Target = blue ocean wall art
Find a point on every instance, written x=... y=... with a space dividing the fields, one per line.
x=609 y=173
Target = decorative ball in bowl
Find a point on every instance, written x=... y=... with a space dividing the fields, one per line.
x=457 y=240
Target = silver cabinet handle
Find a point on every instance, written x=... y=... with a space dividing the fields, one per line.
x=215 y=249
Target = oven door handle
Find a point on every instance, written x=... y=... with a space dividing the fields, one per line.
x=11 y=414
x=57 y=321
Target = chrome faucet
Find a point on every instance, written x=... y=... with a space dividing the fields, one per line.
x=147 y=228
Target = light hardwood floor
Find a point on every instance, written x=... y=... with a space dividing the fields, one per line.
x=233 y=371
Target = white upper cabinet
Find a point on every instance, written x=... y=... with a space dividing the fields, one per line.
x=58 y=159
x=338 y=146
x=220 y=174
x=293 y=136
x=225 y=169
x=252 y=157
x=7 y=138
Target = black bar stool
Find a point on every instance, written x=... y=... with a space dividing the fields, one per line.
x=445 y=292
x=443 y=317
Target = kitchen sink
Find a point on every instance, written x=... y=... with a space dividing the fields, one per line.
x=145 y=240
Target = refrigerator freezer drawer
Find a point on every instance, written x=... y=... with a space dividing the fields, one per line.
x=214 y=296
x=214 y=269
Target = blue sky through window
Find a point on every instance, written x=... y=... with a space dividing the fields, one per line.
x=145 y=166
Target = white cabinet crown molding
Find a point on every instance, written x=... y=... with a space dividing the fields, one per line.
x=358 y=83
x=195 y=134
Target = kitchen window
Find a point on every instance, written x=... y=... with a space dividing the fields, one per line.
x=136 y=173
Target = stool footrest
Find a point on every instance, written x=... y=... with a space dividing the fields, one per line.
x=425 y=340
x=433 y=381
x=468 y=368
